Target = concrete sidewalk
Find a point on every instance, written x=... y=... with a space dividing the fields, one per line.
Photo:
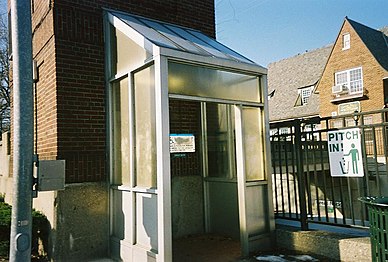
x=324 y=242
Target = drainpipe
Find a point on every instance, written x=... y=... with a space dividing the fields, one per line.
x=23 y=131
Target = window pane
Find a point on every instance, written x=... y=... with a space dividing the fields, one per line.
x=206 y=82
x=336 y=123
x=355 y=74
x=253 y=143
x=125 y=53
x=145 y=133
x=305 y=92
x=351 y=78
x=120 y=132
x=218 y=141
x=346 y=41
x=341 y=78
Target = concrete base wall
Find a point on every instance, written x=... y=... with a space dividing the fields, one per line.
x=81 y=217
x=338 y=247
x=187 y=206
x=78 y=217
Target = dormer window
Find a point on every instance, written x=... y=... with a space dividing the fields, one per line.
x=345 y=41
x=303 y=95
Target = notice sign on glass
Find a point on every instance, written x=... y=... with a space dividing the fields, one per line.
x=345 y=154
x=182 y=143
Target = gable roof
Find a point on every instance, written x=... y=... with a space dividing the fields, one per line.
x=286 y=76
x=375 y=40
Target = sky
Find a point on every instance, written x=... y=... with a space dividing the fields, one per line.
x=267 y=31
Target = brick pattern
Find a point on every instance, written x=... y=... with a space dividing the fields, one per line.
x=84 y=166
x=68 y=46
x=46 y=103
x=358 y=55
x=194 y=14
x=185 y=118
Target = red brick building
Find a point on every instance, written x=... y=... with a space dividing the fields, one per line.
x=68 y=45
x=125 y=196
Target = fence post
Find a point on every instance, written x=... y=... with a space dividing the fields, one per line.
x=300 y=174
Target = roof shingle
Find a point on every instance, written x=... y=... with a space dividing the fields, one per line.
x=287 y=76
x=375 y=40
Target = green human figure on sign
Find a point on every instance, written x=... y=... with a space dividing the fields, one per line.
x=355 y=157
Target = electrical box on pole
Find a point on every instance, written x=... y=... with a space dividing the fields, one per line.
x=50 y=175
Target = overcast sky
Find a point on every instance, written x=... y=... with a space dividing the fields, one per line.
x=270 y=30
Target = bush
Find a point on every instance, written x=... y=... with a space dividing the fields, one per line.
x=5 y=228
x=40 y=230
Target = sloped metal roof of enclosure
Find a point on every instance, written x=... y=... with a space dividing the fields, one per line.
x=149 y=33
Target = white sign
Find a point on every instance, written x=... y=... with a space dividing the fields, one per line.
x=345 y=154
x=182 y=143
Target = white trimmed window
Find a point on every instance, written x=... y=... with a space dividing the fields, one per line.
x=336 y=123
x=304 y=94
x=351 y=79
x=345 y=41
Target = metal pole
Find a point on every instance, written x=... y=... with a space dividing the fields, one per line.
x=23 y=131
x=300 y=174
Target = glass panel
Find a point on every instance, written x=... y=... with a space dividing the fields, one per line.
x=146 y=225
x=120 y=132
x=191 y=38
x=125 y=53
x=121 y=214
x=346 y=41
x=145 y=132
x=149 y=33
x=355 y=80
x=219 y=46
x=218 y=140
x=253 y=143
x=341 y=78
x=173 y=36
x=214 y=83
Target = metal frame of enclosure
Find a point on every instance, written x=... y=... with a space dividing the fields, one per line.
x=303 y=187
x=148 y=64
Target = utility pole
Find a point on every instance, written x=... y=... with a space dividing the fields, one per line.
x=23 y=131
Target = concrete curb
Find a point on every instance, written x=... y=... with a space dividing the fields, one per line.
x=332 y=245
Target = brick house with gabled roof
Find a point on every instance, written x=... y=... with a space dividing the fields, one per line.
x=356 y=74
x=358 y=50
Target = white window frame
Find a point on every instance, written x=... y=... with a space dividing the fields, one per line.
x=305 y=94
x=345 y=41
x=353 y=86
x=336 y=123
x=368 y=120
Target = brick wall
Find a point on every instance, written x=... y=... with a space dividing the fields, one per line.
x=185 y=118
x=358 y=55
x=68 y=47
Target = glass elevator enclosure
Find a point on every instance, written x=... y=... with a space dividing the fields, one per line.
x=187 y=135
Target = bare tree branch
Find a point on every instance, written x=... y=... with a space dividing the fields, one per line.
x=5 y=99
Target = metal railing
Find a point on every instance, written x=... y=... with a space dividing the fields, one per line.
x=304 y=190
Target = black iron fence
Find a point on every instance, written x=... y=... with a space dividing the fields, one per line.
x=302 y=183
